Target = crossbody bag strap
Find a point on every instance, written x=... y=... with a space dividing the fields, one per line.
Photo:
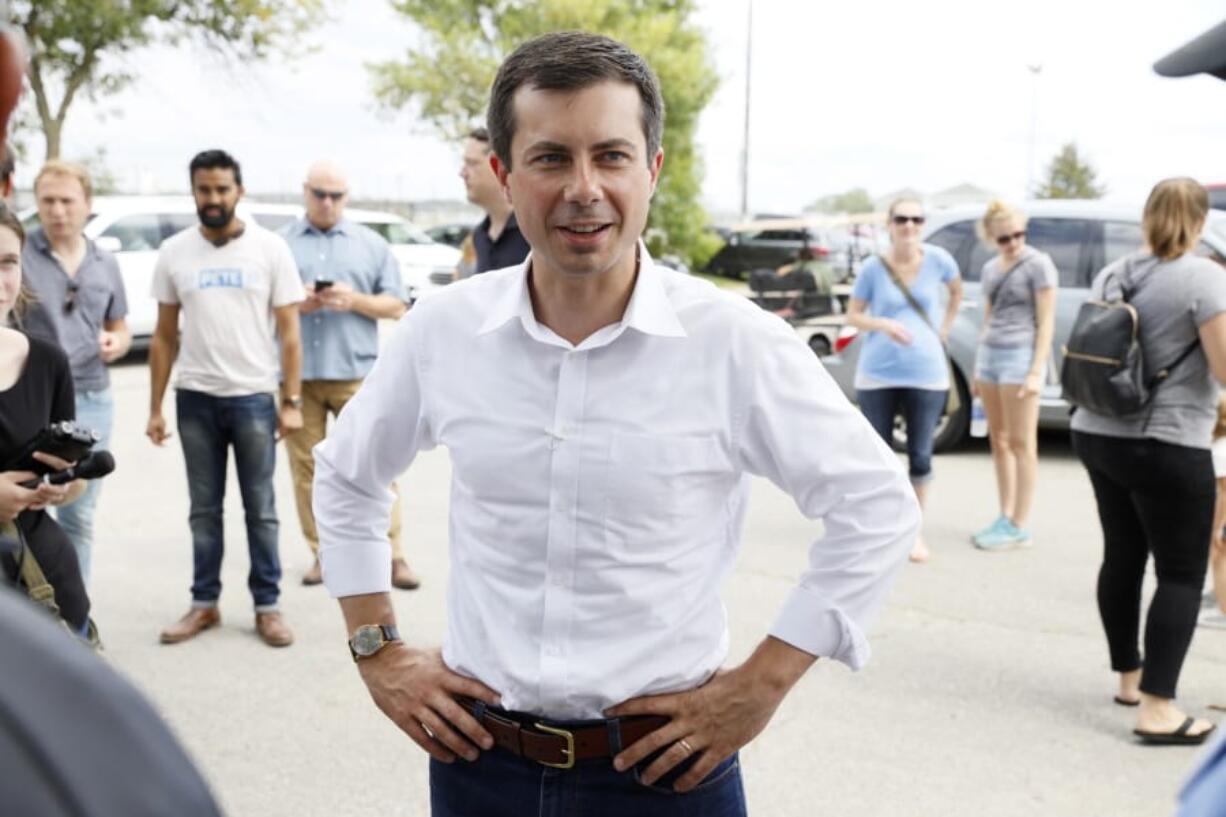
x=906 y=293
x=1001 y=282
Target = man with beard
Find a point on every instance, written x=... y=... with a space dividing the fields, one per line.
x=238 y=290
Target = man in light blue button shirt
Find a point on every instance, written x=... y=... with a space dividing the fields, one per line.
x=352 y=280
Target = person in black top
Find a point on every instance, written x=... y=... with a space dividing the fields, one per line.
x=35 y=390
x=497 y=240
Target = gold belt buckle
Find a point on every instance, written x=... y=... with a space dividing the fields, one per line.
x=569 y=751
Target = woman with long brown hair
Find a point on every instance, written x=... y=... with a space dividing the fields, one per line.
x=1152 y=471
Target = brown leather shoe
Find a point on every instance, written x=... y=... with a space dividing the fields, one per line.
x=315 y=575
x=197 y=620
x=273 y=630
x=403 y=576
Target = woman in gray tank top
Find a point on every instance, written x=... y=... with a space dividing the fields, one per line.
x=1152 y=472
x=1019 y=310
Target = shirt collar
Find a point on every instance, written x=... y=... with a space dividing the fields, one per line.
x=649 y=310
x=38 y=238
x=304 y=226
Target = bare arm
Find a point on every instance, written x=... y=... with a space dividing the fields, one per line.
x=951 y=309
x=1213 y=341
x=1219 y=516
x=290 y=335
x=163 y=350
x=1045 y=324
x=416 y=690
x=857 y=317
x=115 y=340
x=341 y=296
x=719 y=717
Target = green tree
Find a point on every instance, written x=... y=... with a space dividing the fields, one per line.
x=447 y=77
x=73 y=43
x=1070 y=176
x=856 y=200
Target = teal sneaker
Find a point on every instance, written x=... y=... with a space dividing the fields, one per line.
x=992 y=528
x=1006 y=536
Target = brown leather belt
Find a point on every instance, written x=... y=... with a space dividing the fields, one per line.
x=555 y=745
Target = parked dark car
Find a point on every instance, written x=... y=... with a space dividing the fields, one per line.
x=452 y=234
x=769 y=245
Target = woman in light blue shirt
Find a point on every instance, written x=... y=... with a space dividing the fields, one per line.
x=903 y=367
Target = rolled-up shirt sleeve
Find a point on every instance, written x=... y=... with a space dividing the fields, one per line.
x=801 y=433
x=376 y=437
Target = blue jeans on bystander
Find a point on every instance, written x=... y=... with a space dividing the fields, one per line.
x=208 y=427
x=95 y=411
x=921 y=410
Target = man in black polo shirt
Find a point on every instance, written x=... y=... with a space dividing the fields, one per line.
x=497 y=239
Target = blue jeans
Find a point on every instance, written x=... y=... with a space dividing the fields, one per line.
x=921 y=410
x=499 y=784
x=208 y=426
x=95 y=410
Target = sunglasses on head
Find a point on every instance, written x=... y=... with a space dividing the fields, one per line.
x=1009 y=238
x=327 y=194
x=70 y=297
x=901 y=220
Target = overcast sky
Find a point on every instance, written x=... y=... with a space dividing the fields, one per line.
x=878 y=95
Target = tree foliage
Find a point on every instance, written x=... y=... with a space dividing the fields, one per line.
x=1070 y=176
x=73 y=43
x=447 y=77
x=856 y=200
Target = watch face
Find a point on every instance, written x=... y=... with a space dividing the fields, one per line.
x=367 y=640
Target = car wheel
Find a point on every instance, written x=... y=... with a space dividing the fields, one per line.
x=820 y=344
x=951 y=428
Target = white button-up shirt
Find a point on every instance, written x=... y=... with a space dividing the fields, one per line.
x=599 y=490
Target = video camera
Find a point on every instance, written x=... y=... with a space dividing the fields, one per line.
x=64 y=439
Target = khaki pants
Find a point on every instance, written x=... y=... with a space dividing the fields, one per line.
x=319 y=399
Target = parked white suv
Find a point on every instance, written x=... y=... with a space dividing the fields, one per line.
x=134 y=227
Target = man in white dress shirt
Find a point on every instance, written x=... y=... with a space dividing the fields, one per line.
x=603 y=417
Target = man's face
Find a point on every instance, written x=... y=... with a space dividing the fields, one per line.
x=216 y=194
x=325 y=193
x=479 y=180
x=581 y=182
x=62 y=206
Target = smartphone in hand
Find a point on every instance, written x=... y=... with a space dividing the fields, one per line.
x=322 y=283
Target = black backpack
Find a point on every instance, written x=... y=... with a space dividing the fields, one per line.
x=1104 y=369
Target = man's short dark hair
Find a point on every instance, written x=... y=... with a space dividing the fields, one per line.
x=480 y=135
x=214 y=159
x=572 y=61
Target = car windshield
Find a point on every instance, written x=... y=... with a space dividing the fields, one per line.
x=399 y=232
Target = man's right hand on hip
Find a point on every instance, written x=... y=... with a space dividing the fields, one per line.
x=417 y=691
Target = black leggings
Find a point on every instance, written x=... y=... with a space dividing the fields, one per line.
x=58 y=560
x=1152 y=497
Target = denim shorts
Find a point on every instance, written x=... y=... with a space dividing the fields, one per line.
x=1003 y=364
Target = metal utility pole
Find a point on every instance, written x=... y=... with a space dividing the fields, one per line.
x=745 y=137
x=1035 y=71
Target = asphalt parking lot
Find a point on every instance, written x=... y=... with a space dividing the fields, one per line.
x=989 y=692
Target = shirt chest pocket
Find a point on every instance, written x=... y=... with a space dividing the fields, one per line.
x=655 y=482
x=92 y=300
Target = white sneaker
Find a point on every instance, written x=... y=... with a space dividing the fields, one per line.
x=1212 y=618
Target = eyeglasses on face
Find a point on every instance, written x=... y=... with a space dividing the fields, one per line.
x=335 y=195
x=900 y=220
x=1009 y=238
x=70 y=297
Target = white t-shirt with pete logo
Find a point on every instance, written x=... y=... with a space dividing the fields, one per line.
x=227 y=295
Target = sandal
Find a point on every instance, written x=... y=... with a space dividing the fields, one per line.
x=1126 y=702
x=1179 y=737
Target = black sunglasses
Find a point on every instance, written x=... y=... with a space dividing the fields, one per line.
x=1010 y=237
x=901 y=220
x=70 y=297
x=327 y=194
